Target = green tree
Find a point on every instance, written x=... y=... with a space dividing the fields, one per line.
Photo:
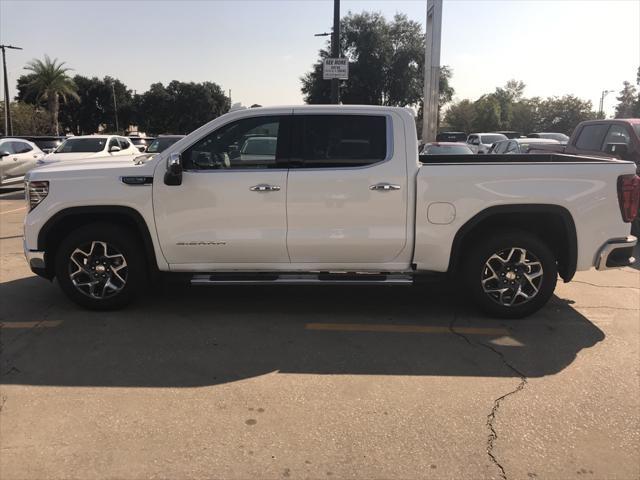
x=51 y=82
x=525 y=116
x=562 y=114
x=27 y=119
x=460 y=116
x=627 y=101
x=487 y=114
x=179 y=107
x=386 y=62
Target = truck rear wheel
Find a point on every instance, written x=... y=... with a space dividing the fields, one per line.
x=510 y=274
x=100 y=266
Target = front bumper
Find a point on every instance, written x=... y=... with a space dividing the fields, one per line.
x=37 y=263
x=616 y=253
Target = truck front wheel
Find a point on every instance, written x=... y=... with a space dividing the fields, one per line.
x=510 y=274
x=100 y=266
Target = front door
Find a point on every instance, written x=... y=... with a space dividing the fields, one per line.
x=347 y=199
x=231 y=206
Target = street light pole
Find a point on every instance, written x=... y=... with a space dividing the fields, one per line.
x=335 y=50
x=115 y=107
x=432 y=71
x=604 y=94
x=8 y=126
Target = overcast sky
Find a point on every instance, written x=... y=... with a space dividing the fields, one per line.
x=259 y=49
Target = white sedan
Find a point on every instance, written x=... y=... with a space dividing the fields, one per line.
x=17 y=157
x=93 y=147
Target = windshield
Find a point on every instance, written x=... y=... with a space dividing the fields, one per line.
x=447 y=150
x=161 y=144
x=72 y=145
x=489 y=139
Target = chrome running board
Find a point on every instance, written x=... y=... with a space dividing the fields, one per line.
x=301 y=279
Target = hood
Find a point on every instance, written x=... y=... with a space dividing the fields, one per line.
x=85 y=156
x=95 y=168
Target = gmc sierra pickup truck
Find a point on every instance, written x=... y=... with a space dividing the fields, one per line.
x=326 y=195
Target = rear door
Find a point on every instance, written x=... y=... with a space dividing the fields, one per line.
x=347 y=189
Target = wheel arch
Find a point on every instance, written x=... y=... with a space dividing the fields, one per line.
x=554 y=224
x=66 y=220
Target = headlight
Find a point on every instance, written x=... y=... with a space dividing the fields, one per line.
x=36 y=192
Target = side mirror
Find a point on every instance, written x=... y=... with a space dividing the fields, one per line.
x=173 y=175
x=617 y=149
x=114 y=148
x=142 y=148
x=4 y=153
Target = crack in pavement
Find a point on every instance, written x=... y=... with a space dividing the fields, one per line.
x=604 y=286
x=491 y=417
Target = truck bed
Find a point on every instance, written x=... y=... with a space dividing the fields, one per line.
x=451 y=190
x=520 y=158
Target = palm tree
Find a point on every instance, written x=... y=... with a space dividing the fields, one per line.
x=51 y=82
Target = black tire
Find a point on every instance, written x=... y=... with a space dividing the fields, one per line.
x=500 y=242
x=121 y=244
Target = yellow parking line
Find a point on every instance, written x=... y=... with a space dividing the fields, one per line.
x=43 y=324
x=369 y=327
x=11 y=211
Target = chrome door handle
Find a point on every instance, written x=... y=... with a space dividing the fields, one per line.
x=265 y=188
x=385 y=187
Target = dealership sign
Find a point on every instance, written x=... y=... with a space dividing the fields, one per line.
x=335 y=68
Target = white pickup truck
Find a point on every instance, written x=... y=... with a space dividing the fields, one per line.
x=328 y=195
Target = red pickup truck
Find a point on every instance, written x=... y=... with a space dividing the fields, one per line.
x=619 y=138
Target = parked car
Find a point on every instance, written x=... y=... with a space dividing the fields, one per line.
x=520 y=145
x=343 y=199
x=481 y=142
x=161 y=143
x=618 y=138
x=560 y=137
x=46 y=143
x=451 y=137
x=445 y=148
x=92 y=147
x=141 y=143
x=17 y=157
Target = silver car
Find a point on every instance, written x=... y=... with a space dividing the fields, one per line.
x=17 y=157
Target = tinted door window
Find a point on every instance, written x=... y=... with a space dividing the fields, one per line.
x=500 y=147
x=124 y=143
x=258 y=142
x=21 y=147
x=512 y=148
x=7 y=147
x=591 y=137
x=340 y=140
x=113 y=143
x=617 y=134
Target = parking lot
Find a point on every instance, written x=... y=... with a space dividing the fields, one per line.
x=316 y=382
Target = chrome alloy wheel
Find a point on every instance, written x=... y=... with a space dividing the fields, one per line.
x=512 y=277
x=98 y=270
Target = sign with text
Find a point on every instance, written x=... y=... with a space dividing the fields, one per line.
x=335 y=68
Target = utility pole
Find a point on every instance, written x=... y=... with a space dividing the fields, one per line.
x=604 y=94
x=432 y=71
x=115 y=106
x=335 y=50
x=8 y=126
